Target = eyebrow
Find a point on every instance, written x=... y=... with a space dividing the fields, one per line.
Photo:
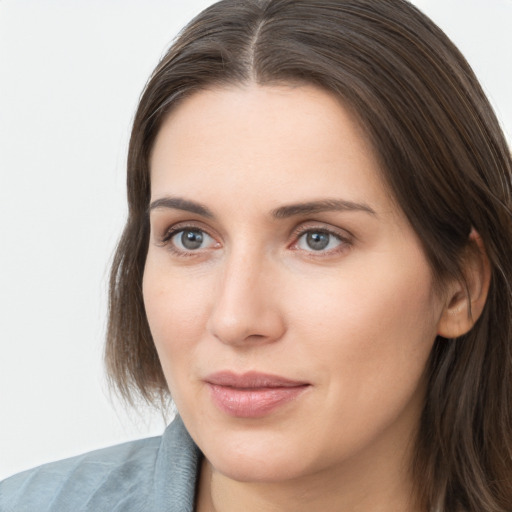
x=327 y=205
x=283 y=212
x=178 y=203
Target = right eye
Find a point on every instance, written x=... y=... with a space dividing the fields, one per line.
x=189 y=240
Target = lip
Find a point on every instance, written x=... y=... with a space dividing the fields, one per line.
x=252 y=394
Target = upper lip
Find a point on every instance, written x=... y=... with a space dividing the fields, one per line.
x=251 y=380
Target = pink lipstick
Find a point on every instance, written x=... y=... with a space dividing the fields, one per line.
x=252 y=394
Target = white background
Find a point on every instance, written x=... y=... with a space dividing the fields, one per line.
x=70 y=76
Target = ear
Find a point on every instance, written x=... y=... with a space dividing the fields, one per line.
x=465 y=300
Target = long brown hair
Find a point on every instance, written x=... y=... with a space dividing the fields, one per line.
x=444 y=157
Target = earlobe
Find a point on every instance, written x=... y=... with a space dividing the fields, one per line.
x=465 y=300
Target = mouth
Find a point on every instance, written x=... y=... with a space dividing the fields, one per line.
x=252 y=394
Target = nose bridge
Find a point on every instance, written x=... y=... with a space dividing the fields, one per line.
x=245 y=307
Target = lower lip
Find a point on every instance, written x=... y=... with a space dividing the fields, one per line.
x=254 y=402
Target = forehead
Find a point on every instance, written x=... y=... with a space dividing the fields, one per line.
x=279 y=142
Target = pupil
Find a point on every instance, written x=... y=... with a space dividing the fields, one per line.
x=317 y=241
x=191 y=239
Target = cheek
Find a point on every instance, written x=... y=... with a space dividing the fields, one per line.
x=176 y=309
x=368 y=345
x=379 y=302
x=370 y=335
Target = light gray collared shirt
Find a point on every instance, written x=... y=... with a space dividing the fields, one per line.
x=157 y=474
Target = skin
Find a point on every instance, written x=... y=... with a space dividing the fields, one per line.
x=356 y=320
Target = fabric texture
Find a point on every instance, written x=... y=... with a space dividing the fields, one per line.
x=157 y=474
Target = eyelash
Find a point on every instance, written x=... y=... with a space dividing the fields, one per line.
x=166 y=239
x=345 y=241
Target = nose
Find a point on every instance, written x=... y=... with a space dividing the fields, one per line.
x=246 y=309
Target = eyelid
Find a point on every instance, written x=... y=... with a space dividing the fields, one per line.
x=344 y=236
x=164 y=238
x=171 y=230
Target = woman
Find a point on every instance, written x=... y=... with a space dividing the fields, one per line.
x=315 y=267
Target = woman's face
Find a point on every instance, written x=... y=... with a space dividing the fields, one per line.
x=289 y=299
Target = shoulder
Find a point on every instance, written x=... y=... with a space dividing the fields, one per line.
x=99 y=475
x=130 y=477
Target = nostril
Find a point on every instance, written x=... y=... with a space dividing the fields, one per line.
x=251 y=326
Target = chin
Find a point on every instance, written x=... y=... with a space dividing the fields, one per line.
x=243 y=469
x=262 y=460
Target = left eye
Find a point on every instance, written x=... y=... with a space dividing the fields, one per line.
x=191 y=240
x=318 y=241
